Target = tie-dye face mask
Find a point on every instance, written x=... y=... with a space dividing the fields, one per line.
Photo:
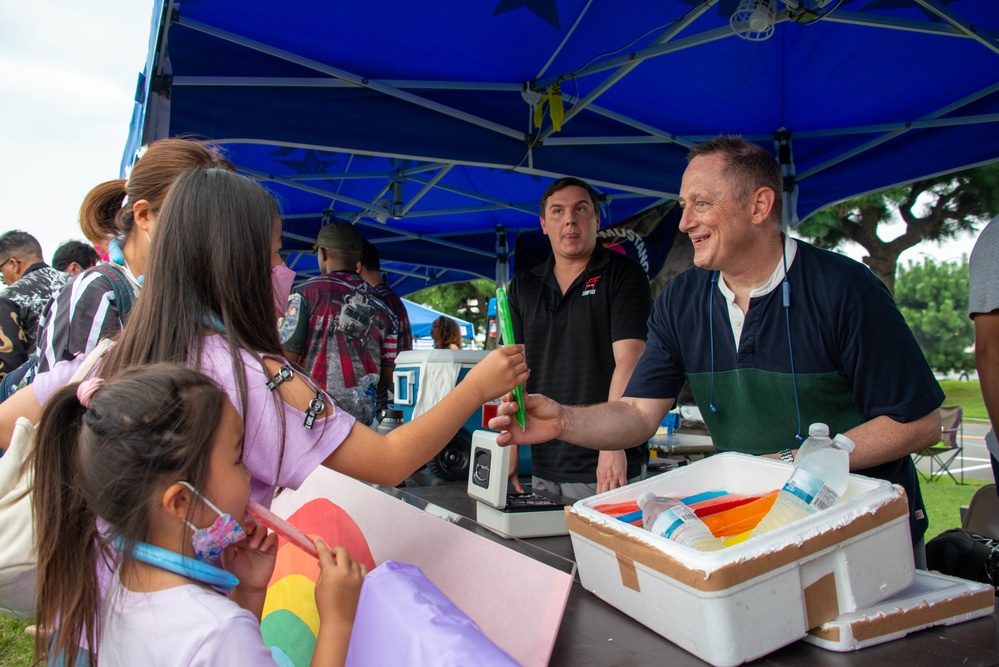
x=210 y=542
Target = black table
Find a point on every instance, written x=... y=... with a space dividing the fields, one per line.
x=595 y=633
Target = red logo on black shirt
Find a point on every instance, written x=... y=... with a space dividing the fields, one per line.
x=591 y=286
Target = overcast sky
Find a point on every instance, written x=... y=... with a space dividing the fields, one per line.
x=68 y=72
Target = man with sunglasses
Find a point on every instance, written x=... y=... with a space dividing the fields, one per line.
x=30 y=284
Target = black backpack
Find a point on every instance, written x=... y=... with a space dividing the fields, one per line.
x=962 y=553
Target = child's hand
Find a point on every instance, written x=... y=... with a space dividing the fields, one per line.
x=502 y=369
x=339 y=585
x=252 y=560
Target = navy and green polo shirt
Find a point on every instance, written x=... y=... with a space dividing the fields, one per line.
x=854 y=357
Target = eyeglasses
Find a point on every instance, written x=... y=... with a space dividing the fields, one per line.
x=4 y=263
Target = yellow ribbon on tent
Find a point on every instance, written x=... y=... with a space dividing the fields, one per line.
x=556 y=109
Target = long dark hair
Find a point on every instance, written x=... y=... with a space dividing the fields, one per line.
x=150 y=427
x=106 y=211
x=209 y=267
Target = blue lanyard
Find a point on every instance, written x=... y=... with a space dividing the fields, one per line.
x=185 y=566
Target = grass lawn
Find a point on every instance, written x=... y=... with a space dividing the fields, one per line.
x=943 y=499
x=967 y=394
x=16 y=648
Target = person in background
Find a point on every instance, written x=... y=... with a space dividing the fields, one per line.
x=370 y=268
x=582 y=318
x=446 y=334
x=156 y=455
x=338 y=329
x=983 y=309
x=74 y=257
x=122 y=214
x=727 y=326
x=30 y=284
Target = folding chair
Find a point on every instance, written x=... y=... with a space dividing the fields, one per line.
x=951 y=445
x=982 y=516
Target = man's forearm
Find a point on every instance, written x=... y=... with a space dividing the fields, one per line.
x=987 y=361
x=883 y=439
x=615 y=424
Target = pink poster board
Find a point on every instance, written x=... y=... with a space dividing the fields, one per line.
x=517 y=601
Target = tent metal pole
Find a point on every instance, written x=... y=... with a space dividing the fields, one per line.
x=359 y=81
x=647 y=52
x=424 y=190
x=623 y=71
x=876 y=21
x=958 y=23
x=502 y=258
x=789 y=195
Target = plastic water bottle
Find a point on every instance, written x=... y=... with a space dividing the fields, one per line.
x=818 y=437
x=672 y=519
x=819 y=479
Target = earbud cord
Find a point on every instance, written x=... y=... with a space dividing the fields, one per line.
x=786 y=297
x=786 y=289
x=711 y=336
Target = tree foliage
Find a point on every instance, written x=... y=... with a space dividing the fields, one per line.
x=457 y=299
x=933 y=297
x=932 y=209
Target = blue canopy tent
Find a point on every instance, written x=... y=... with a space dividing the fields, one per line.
x=417 y=120
x=422 y=317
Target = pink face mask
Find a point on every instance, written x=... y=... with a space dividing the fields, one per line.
x=281 y=280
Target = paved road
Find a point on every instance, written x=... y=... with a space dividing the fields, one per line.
x=974 y=460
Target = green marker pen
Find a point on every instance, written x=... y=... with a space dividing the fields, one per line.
x=506 y=328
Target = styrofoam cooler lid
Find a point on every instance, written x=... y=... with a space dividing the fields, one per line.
x=932 y=599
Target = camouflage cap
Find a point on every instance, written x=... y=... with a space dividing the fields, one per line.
x=340 y=235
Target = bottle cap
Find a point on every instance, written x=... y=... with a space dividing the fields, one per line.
x=843 y=442
x=645 y=497
x=818 y=430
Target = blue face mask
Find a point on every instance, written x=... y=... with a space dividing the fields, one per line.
x=210 y=542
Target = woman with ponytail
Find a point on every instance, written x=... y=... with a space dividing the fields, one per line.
x=121 y=215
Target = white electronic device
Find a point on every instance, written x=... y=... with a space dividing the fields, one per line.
x=510 y=515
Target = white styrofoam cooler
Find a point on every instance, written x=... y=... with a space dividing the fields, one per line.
x=932 y=599
x=747 y=600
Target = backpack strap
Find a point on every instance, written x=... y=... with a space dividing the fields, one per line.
x=123 y=295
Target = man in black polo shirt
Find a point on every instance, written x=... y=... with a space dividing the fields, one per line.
x=582 y=318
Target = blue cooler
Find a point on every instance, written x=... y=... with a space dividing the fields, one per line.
x=430 y=374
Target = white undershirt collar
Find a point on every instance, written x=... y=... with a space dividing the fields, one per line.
x=735 y=316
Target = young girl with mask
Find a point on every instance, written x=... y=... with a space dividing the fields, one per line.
x=149 y=467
